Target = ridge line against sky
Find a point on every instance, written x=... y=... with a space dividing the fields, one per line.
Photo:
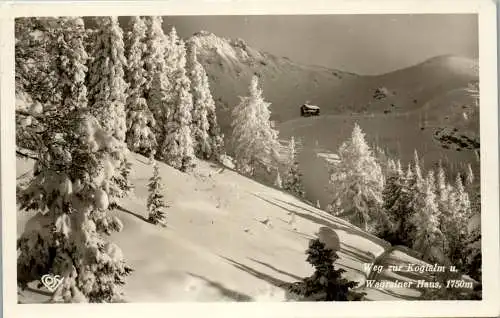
x=362 y=44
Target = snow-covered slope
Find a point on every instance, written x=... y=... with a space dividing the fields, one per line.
x=228 y=238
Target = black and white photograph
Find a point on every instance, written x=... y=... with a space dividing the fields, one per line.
x=249 y=158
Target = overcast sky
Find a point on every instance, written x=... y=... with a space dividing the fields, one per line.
x=363 y=44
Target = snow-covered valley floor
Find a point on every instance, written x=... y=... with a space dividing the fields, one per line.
x=217 y=245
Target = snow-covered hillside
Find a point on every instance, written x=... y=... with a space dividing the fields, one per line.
x=228 y=238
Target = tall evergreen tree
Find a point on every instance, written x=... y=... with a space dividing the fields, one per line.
x=277 y=182
x=177 y=148
x=140 y=120
x=425 y=219
x=35 y=75
x=36 y=62
x=107 y=86
x=455 y=223
x=255 y=141
x=76 y=160
x=357 y=183
x=157 y=86
x=205 y=129
x=107 y=91
x=470 y=176
x=293 y=177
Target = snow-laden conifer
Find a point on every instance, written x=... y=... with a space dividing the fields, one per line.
x=70 y=191
x=469 y=176
x=107 y=86
x=156 y=203
x=427 y=237
x=255 y=141
x=140 y=121
x=157 y=86
x=326 y=283
x=205 y=129
x=357 y=183
x=107 y=92
x=277 y=182
x=177 y=147
x=154 y=58
x=293 y=177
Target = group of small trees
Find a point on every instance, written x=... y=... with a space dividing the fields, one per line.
x=419 y=210
x=93 y=95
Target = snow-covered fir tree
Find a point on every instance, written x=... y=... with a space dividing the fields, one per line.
x=293 y=177
x=36 y=62
x=36 y=69
x=394 y=199
x=277 y=182
x=255 y=141
x=156 y=203
x=357 y=183
x=157 y=86
x=107 y=86
x=76 y=161
x=177 y=147
x=205 y=129
x=107 y=91
x=326 y=283
x=427 y=237
x=469 y=176
x=154 y=57
x=140 y=120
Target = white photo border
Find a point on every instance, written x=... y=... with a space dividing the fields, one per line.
x=486 y=10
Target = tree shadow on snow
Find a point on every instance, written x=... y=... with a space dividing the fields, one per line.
x=276 y=269
x=303 y=235
x=120 y=208
x=356 y=253
x=268 y=278
x=317 y=219
x=234 y=295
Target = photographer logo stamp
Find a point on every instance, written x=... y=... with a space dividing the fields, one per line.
x=51 y=281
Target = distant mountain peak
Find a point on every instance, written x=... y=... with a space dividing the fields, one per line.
x=455 y=62
x=231 y=50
